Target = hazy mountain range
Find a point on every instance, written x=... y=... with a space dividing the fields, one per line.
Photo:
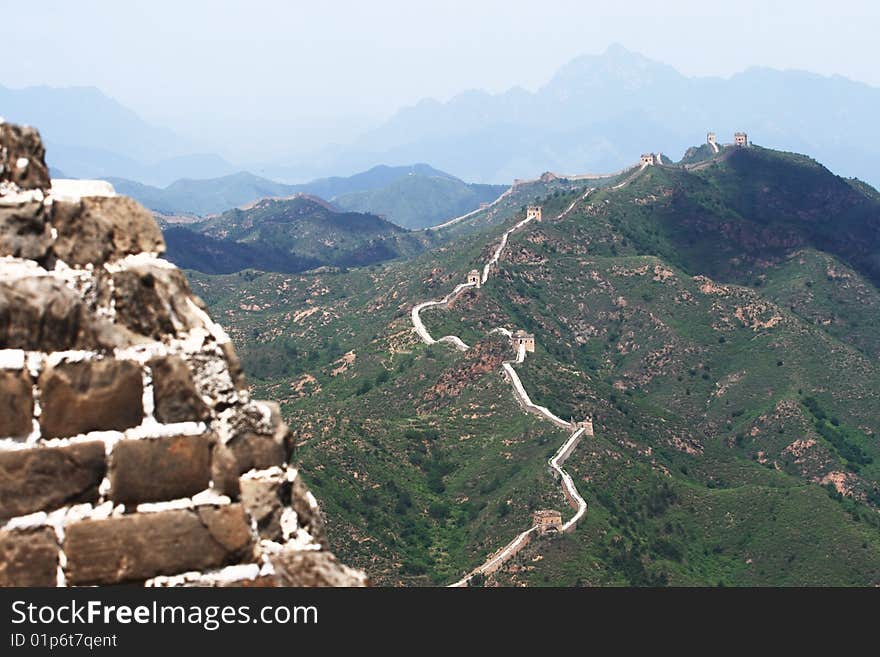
x=596 y=113
x=412 y=196
x=94 y=136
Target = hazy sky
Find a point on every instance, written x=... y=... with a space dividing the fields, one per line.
x=314 y=70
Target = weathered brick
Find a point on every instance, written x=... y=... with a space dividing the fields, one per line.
x=265 y=498
x=137 y=547
x=24 y=231
x=23 y=142
x=16 y=404
x=175 y=394
x=155 y=469
x=98 y=229
x=229 y=526
x=28 y=557
x=251 y=448
x=95 y=395
x=39 y=313
x=154 y=301
x=45 y=478
x=313 y=568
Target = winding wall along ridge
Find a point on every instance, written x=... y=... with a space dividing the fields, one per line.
x=574 y=498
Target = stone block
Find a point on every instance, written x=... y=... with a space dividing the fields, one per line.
x=16 y=404
x=175 y=394
x=137 y=547
x=45 y=478
x=234 y=365
x=28 y=557
x=265 y=496
x=102 y=229
x=151 y=300
x=19 y=144
x=92 y=395
x=313 y=568
x=157 y=469
x=24 y=231
x=39 y=313
x=257 y=444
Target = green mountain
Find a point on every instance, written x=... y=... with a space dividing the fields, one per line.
x=717 y=320
x=413 y=196
x=203 y=197
x=418 y=201
x=288 y=236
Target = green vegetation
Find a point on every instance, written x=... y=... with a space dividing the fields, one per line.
x=719 y=324
x=289 y=236
x=420 y=201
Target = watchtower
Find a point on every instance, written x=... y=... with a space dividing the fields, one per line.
x=740 y=139
x=587 y=425
x=647 y=159
x=710 y=139
x=547 y=520
x=473 y=277
x=533 y=212
x=522 y=339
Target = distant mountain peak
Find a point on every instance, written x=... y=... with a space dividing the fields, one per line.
x=616 y=67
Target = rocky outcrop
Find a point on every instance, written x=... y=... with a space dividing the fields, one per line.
x=130 y=448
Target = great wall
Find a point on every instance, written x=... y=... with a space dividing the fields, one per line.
x=578 y=429
x=496 y=561
x=130 y=448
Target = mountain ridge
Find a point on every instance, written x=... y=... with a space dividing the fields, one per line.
x=413 y=196
x=750 y=393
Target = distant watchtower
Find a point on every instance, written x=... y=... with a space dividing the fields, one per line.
x=740 y=139
x=522 y=339
x=547 y=520
x=710 y=139
x=586 y=425
x=647 y=159
x=473 y=277
x=533 y=212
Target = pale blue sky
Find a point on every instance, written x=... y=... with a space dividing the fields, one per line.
x=315 y=71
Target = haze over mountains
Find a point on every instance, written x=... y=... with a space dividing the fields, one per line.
x=413 y=196
x=96 y=137
x=595 y=114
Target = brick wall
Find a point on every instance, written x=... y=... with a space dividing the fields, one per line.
x=130 y=449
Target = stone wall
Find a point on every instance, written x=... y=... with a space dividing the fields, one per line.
x=130 y=449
